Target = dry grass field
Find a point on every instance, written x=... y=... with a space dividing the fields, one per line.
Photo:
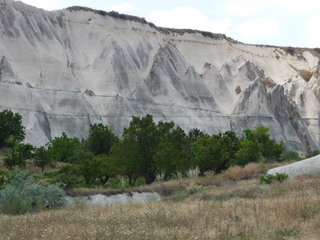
x=212 y=207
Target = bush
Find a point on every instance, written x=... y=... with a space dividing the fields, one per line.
x=21 y=195
x=19 y=155
x=290 y=156
x=257 y=146
x=233 y=172
x=312 y=154
x=268 y=179
x=195 y=189
x=46 y=197
x=317 y=50
x=248 y=171
x=67 y=177
x=12 y=202
x=290 y=50
x=280 y=177
x=3 y=175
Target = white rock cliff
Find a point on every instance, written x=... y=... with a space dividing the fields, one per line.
x=64 y=70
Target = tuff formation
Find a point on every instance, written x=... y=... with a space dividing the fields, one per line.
x=64 y=70
x=308 y=166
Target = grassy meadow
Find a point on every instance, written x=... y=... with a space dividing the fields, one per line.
x=231 y=205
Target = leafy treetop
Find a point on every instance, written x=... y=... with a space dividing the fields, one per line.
x=11 y=127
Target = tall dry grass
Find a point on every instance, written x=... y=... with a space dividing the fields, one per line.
x=224 y=209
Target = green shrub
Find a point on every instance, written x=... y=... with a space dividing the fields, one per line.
x=317 y=50
x=258 y=147
x=280 y=177
x=290 y=50
x=21 y=195
x=312 y=154
x=67 y=177
x=12 y=202
x=266 y=179
x=195 y=189
x=269 y=178
x=290 y=156
x=3 y=175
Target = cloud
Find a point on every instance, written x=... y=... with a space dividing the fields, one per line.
x=258 y=28
x=310 y=27
x=189 y=18
x=125 y=7
x=246 y=7
x=45 y=4
x=300 y=7
x=250 y=7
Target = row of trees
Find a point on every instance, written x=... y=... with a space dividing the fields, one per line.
x=147 y=149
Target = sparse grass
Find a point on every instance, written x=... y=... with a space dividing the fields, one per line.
x=269 y=82
x=305 y=74
x=248 y=171
x=228 y=210
x=230 y=205
x=163 y=30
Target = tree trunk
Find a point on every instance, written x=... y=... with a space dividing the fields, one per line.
x=150 y=177
x=2 y=142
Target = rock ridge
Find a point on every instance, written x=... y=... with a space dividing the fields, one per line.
x=63 y=71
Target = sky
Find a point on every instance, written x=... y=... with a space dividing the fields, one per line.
x=270 y=22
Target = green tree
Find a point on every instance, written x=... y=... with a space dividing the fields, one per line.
x=68 y=177
x=80 y=154
x=169 y=159
x=11 y=127
x=96 y=168
x=88 y=171
x=247 y=153
x=143 y=137
x=174 y=135
x=126 y=159
x=194 y=134
x=215 y=153
x=62 y=148
x=19 y=155
x=231 y=143
x=209 y=154
x=100 y=139
x=41 y=158
x=147 y=148
x=257 y=146
x=171 y=152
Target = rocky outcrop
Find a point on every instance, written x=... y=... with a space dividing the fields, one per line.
x=308 y=166
x=64 y=70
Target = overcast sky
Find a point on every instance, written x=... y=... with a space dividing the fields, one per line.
x=273 y=22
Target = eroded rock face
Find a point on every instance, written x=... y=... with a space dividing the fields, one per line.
x=64 y=70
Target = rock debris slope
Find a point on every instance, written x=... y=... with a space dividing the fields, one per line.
x=64 y=70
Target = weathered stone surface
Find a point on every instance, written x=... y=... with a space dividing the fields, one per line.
x=310 y=166
x=64 y=70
